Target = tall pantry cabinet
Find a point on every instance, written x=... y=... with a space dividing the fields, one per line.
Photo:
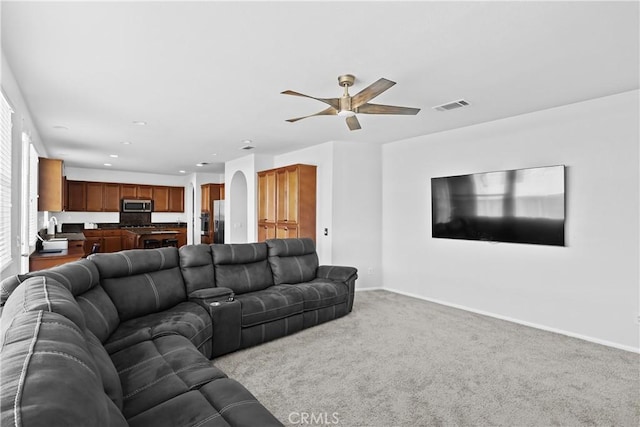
x=287 y=202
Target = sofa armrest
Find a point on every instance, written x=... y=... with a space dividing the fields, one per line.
x=209 y=295
x=338 y=273
x=226 y=317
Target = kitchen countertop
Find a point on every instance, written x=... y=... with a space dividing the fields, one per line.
x=69 y=236
x=142 y=231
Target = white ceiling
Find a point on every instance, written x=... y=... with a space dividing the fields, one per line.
x=207 y=75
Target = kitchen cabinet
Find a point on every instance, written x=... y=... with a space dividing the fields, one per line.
x=128 y=191
x=95 y=197
x=267 y=196
x=287 y=202
x=266 y=231
x=111 y=197
x=168 y=199
x=160 y=199
x=76 y=196
x=145 y=192
x=176 y=199
x=109 y=240
x=50 y=185
x=86 y=196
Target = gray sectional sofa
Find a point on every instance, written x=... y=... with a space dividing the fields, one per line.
x=125 y=338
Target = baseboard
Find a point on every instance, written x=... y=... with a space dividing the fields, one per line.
x=520 y=322
x=369 y=289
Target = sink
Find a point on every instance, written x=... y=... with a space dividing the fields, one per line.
x=56 y=243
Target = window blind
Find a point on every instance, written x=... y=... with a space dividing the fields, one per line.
x=5 y=182
x=33 y=195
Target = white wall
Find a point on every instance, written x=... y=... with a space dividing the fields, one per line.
x=321 y=156
x=22 y=122
x=249 y=166
x=588 y=288
x=349 y=205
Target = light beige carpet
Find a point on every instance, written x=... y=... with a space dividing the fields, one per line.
x=401 y=361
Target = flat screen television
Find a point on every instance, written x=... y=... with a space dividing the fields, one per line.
x=516 y=206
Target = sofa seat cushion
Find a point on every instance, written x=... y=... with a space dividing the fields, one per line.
x=270 y=304
x=187 y=319
x=155 y=371
x=320 y=293
x=220 y=403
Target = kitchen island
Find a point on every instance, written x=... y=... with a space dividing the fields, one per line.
x=141 y=238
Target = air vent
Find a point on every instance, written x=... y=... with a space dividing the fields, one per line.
x=247 y=147
x=451 y=105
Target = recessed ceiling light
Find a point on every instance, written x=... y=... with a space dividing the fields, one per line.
x=59 y=127
x=214 y=154
x=246 y=141
x=115 y=156
x=182 y=171
x=107 y=164
x=199 y=165
x=139 y=122
x=125 y=143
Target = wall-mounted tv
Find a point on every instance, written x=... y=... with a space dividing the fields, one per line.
x=516 y=206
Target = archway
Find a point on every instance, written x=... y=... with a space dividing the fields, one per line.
x=238 y=208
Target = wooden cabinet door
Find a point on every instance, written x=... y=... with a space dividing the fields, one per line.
x=286 y=231
x=128 y=191
x=287 y=195
x=145 y=192
x=50 y=185
x=266 y=231
x=92 y=236
x=111 y=244
x=76 y=195
x=95 y=196
x=111 y=197
x=267 y=196
x=205 y=198
x=160 y=199
x=176 y=199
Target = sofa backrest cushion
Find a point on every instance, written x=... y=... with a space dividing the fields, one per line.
x=78 y=277
x=43 y=293
x=100 y=313
x=141 y=281
x=197 y=267
x=292 y=260
x=242 y=267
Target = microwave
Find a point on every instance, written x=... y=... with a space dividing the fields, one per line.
x=132 y=205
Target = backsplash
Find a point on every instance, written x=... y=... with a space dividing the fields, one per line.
x=114 y=217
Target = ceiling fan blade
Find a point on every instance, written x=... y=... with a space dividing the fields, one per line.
x=386 y=109
x=370 y=92
x=334 y=102
x=328 y=112
x=353 y=123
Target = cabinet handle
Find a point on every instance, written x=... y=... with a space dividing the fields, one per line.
x=286 y=229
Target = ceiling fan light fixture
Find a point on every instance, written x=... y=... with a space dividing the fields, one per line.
x=346 y=113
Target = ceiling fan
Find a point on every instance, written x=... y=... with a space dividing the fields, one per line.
x=348 y=106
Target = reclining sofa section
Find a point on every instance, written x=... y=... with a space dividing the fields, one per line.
x=124 y=338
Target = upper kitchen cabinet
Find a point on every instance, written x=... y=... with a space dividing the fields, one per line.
x=111 y=197
x=168 y=199
x=128 y=191
x=176 y=199
x=50 y=185
x=95 y=197
x=76 y=196
x=145 y=192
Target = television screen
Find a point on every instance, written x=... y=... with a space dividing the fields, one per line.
x=517 y=206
